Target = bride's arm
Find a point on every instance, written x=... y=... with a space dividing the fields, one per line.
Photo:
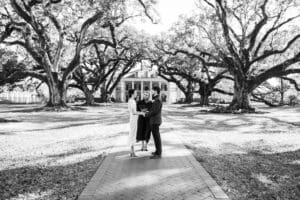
x=134 y=111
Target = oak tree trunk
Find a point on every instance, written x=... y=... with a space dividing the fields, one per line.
x=204 y=100
x=90 y=100
x=188 y=97
x=103 y=95
x=281 y=92
x=205 y=93
x=57 y=93
x=89 y=96
x=57 y=96
x=240 y=99
x=189 y=93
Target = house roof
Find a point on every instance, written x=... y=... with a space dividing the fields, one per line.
x=140 y=73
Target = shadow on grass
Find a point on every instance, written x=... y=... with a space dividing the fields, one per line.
x=210 y=109
x=7 y=133
x=212 y=124
x=278 y=121
x=95 y=105
x=71 y=122
x=284 y=108
x=231 y=122
x=28 y=108
x=254 y=175
x=44 y=109
x=193 y=106
x=189 y=114
x=70 y=153
x=2 y=120
x=55 y=182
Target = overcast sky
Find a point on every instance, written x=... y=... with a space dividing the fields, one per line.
x=169 y=11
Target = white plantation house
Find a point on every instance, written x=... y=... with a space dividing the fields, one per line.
x=142 y=80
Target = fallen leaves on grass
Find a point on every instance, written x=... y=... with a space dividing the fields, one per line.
x=254 y=176
x=44 y=182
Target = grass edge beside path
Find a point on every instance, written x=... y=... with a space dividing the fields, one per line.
x=48 y=182
x=253 y=176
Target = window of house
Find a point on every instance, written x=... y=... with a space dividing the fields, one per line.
x=155 y=84
x=137 y=86
x=128 y=86
x=165 y=87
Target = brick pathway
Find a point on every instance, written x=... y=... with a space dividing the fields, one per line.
x=177 y=176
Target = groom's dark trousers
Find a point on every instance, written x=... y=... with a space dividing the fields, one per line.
x=156 y=137
x=155 y=122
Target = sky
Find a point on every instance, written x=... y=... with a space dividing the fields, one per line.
x=169 y=12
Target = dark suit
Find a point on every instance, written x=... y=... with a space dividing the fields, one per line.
x=155 y=122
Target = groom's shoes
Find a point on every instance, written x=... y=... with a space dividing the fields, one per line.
x=153 y=153
x=155 y=156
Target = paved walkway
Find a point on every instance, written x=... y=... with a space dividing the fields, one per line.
x=176 y=176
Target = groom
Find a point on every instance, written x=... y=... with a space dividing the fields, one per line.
x=155 y=121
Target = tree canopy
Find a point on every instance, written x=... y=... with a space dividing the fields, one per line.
x=88 y=45
x=54 y=33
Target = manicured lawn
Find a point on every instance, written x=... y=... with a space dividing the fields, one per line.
x=52 y=155
x=252 y=156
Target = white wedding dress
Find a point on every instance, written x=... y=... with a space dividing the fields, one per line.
x=133 y=122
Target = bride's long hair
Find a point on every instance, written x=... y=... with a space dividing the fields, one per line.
x=131 y=92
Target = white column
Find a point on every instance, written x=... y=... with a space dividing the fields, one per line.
x=123 y=90
x=159 y=84
x=114 y=93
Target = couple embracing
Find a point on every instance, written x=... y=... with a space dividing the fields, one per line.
x=144 y=119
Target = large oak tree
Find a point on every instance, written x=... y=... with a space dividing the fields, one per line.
x=247 y=36
x=103 y=67
x=43 y=28
x=181 y=59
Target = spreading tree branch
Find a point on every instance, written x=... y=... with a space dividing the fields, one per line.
x=293 y=82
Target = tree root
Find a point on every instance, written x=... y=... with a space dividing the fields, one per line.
x=232 y=110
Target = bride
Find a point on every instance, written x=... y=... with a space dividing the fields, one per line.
x=133 y=120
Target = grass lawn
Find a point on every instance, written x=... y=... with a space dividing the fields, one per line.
x=252 y=156
x=52 y=155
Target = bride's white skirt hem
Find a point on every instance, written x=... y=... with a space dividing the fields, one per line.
x=132 y=130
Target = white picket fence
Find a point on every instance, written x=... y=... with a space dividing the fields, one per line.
x=20 y=97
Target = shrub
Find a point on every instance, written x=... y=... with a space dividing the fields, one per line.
x=293 y=100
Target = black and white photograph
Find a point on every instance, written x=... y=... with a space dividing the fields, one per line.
x=149 y=99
